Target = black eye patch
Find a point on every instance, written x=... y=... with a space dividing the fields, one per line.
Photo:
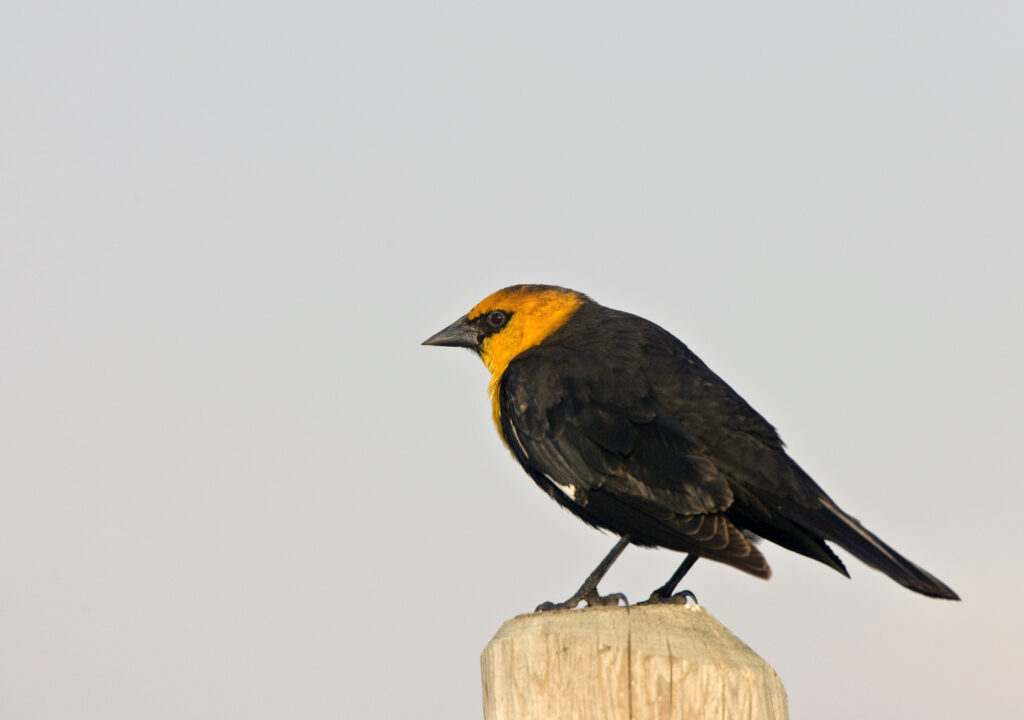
x=491 y=322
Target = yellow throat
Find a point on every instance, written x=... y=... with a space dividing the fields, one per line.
x=535 y=314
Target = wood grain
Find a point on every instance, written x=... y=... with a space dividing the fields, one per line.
x=618 y=663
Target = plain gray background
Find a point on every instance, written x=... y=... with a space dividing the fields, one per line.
x=233 y=483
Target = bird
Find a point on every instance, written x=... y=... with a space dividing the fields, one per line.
x=619 y=422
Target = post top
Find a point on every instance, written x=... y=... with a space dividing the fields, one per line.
x=680 y=631
x=649 y=662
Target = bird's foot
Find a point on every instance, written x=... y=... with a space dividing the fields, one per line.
x=590 y=599
x=659 y=597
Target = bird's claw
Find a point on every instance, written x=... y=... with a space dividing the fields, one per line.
x=609 y=599
x=547 y=606
x=680 y=598
x=592 y=599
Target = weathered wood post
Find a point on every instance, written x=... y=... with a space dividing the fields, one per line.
x=619 y=663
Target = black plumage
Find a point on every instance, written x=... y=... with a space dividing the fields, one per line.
x=619 y=422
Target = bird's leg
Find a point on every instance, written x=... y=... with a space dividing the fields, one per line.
x=588 y=590
x=664 y=593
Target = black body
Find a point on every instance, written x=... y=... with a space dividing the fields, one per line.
x=622 y=424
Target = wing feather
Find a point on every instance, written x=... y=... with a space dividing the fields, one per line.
x=614 y=455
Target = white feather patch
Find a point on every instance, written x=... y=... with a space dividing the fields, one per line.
x=567 y=489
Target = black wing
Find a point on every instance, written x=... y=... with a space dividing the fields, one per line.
x=591 y=432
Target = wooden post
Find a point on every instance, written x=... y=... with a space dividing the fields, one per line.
x=618 y=663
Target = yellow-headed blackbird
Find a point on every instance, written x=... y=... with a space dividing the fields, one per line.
x=622 y=424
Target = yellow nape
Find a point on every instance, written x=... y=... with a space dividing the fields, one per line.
x=536 y=312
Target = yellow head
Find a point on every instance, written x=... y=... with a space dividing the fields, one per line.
x=508 y=322
x=522 y=316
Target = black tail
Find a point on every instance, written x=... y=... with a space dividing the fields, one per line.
x=833 y=524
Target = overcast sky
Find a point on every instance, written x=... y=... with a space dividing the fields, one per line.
x=233 y=484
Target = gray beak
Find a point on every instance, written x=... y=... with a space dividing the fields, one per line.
x=459 y=334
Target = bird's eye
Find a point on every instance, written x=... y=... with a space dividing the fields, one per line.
x=497 y=318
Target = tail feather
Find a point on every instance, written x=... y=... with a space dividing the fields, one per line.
x=835 y=525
